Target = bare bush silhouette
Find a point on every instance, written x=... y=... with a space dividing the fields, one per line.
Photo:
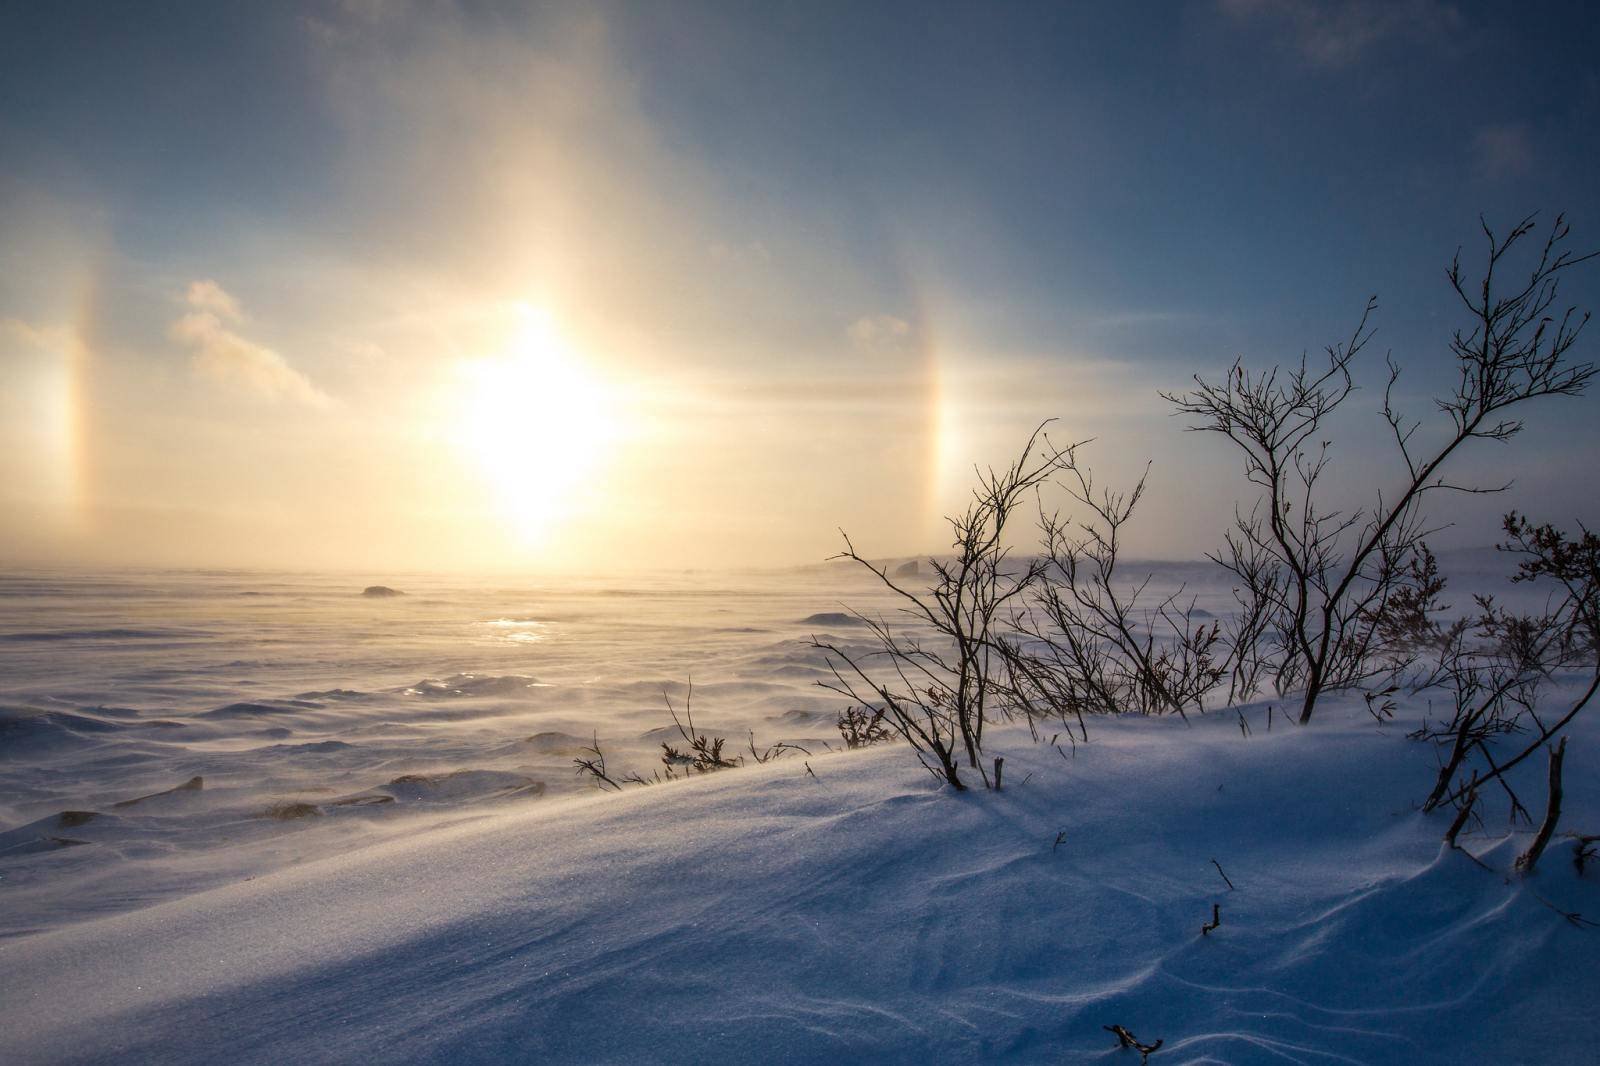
x=860 y=727
x=594 y=765
x=705 y=753
x=1091 y=640
x=700 y=753
x=938 y=691
x=1497 y=680
x=1325 y=578
x=1494 y=674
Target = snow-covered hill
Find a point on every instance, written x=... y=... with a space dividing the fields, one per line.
x=856 y=912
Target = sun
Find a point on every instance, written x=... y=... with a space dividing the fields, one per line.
x=536 y=423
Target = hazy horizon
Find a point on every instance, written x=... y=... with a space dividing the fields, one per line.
x=376 y=287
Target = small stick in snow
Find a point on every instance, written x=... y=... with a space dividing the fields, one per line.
x=812 y=772
x=1462 y=815
x=1216 y=920
x=999 y=768
x=1218 y=865
x=1269 y=717
x=1552 y=812
x=1127 y=1039
x=1059 y=838
x=595 y=767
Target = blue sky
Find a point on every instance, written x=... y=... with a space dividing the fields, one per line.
x=759 y=223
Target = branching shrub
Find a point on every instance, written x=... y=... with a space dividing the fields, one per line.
x=862 y=727
x=1327 y=599
x=938 y=692
x=1325 y=578
x=1497 y=678
x=1091 y=642
x=705 y=753
x=594 y=765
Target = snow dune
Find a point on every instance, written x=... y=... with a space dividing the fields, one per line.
x=865 y=915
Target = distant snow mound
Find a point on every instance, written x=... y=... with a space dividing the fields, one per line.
x=25 y=730
x=291 y=810
x=194 y=784
x=461 y=785
x=799 y=716
x=472 y=685
x=255 y=708
x=554 y=743
x=379 y=592
x=907 y=569
x=50 y=636
x=315 y=747
x=831 y=618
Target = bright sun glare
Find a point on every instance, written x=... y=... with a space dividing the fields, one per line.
x=535 y=424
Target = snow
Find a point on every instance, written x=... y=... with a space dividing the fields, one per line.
x=852 y=912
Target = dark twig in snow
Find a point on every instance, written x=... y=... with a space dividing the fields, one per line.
x=766 y=755
x=1127 y=1039
x=1225 y=877
x=1552 y=812
x=1572 y=917
x=1462 y=814
x=1216 y=920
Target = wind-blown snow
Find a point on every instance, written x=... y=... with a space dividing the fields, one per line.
x=856 y=912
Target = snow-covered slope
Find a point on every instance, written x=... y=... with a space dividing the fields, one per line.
x=862 y=914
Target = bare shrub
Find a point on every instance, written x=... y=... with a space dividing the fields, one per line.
x=594 y=765
x=1093 y=642
x=1325 y=578
x=1250 y=632
x=764 y=754
x=1497 y=676
x=1493 y=674
x=862 y=727
x=702 y=754
x=938 y=692
x=705 y=753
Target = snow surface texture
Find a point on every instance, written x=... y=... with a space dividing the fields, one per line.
x=769 y=914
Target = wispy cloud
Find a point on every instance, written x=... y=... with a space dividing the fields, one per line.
x=1337 y=33
x=219 y=354
x=1502 y=151
x=50 y=338
x=209 y=296
x=880 y=333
